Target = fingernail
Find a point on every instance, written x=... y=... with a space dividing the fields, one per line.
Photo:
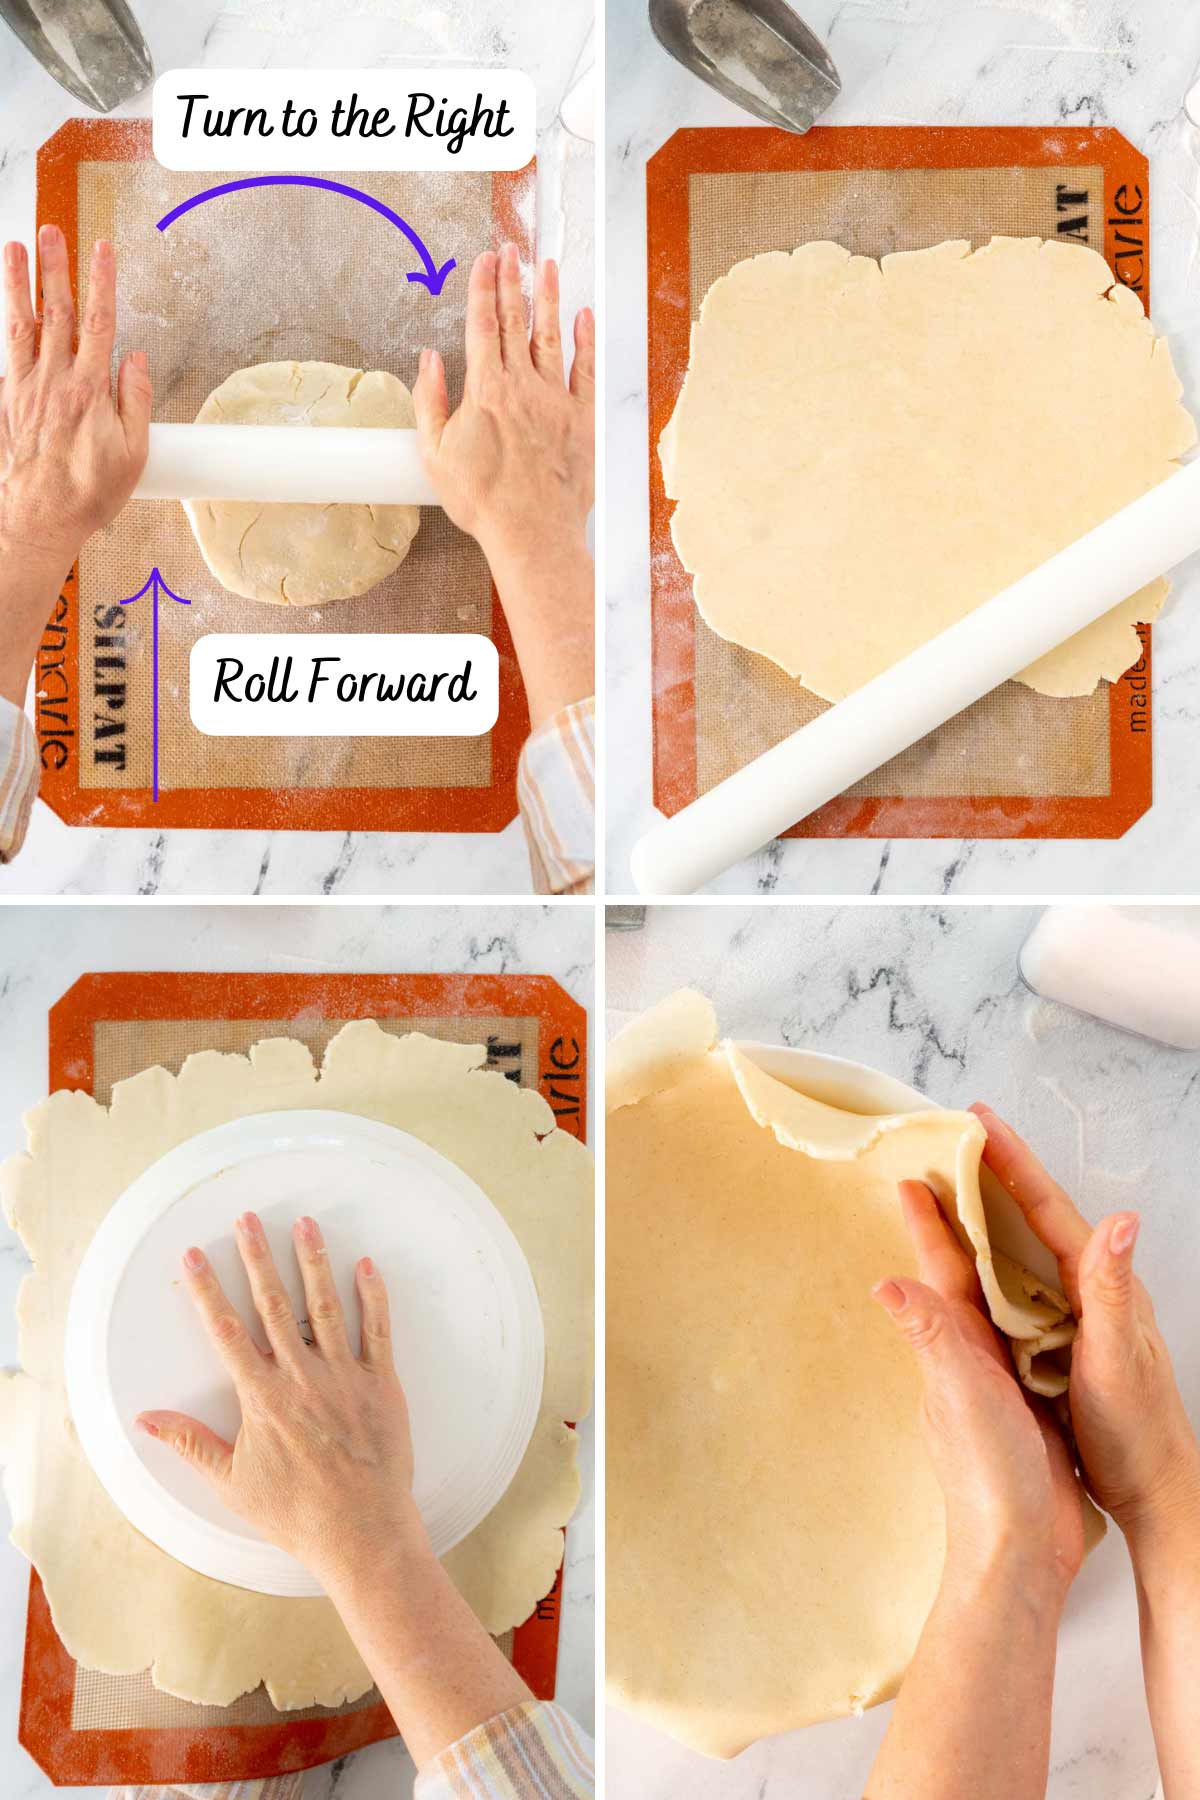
x=148 y=1426
x=587 y=318
x=49 y=237
x=486 y=259
x=889 y=1294
x=103 y=250
x=1123 y=1235
x=250 y=1225
x=309 y=1230
x=140 y=360
x=13 y=254
x=366 y=1267
x=512 y=259
x=550 y=274
x=193 y=1259
x=423 y=361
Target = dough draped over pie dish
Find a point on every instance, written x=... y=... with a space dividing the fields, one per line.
x=862 y=452
x=118 y=1602
x=775 y=1533
x=288 y=553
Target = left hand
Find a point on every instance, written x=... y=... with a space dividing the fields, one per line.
x=1005 y=1468
x=70 y=454
x=1138 y=1448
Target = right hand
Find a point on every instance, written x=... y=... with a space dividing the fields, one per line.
x=1138 y=1449
x=515 y=464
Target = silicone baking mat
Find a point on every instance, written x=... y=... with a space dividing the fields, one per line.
x=1016 y=764
x=263 y=275
x=84 y=1727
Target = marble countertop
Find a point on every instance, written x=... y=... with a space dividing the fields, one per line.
x=58 y=859
x=933 y=996
x=907 y=62
x=44 y=949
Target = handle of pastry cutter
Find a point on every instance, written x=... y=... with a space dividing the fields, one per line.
x=923 y=690
x=319 y=465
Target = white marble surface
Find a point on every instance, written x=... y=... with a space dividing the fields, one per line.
x=1124 y=63
x=544 y=41
x=933 y=996
x=44 y=949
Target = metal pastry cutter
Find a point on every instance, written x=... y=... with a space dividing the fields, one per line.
x=93 y=48
x=758 y=53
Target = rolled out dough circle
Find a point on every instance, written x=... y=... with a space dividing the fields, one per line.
x=468 y=1336
x=119 y=1603
x=863 y=452
x=296 y=555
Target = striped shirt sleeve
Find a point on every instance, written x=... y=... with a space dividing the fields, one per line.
x=18 y=777
x=532 y=1752
x=556 y=791
x=273 y=1787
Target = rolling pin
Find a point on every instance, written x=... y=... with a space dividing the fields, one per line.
x=319 y=465
x=924 y=689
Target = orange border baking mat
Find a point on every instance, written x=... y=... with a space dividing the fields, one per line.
x=484 y=809
x=738 y=149
x=71 y=1756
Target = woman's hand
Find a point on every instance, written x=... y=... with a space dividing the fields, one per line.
x=70 y=455
x=515 y=465
x=323 y=1463
x=1138 y=1449
x=323 y=1467
x=973 y=1714
x=1011 y=1492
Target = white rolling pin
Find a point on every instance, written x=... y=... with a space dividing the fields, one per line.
x=923 y=690
x=317 y=464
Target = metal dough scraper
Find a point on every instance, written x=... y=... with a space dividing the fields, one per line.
x=758 y=53
x=93 y=48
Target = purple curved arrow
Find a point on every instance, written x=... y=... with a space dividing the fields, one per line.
x=156 y=582
x=433 y=278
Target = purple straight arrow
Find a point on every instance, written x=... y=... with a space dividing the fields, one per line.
x=156 y=582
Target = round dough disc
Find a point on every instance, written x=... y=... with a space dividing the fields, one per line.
x=296 y=555
x=863 y=452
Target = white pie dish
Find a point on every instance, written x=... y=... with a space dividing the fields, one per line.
x=857 y=1088
x=466 y=1321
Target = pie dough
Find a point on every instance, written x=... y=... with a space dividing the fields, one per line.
x=292 y=554
x=775 y=1532
x=863 y=451
x=119 y=1603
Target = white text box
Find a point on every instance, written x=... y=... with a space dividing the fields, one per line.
x=299 y=119
x=337 y=684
